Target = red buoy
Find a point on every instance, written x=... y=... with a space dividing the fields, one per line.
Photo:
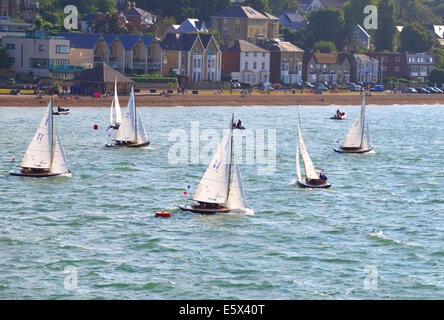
x=163 y=214
x=96 y=127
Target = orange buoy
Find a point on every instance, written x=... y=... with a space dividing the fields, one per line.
x=163 y=214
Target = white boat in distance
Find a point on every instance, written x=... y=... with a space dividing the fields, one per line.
x=45 y=156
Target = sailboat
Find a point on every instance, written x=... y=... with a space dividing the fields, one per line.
x=115 y=115
x=131 y=132
x=45 y=156
x=312 y=177
x=221 y=189
x=358 y=138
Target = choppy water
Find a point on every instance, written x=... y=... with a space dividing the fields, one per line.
x=377 y=233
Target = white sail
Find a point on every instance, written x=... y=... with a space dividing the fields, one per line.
x=141 y=133
x=298 y=166
x=355 y=135
x=59 y=163
x=310 y=170
x=40 y=151
x=127 y=129
x=117 y=105
x=112 y=122
x=237 y=200
x=213 y=187
x=367 y=142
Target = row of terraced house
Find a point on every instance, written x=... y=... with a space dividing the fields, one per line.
x=254 y=52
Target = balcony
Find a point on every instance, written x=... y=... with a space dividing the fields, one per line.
x=153 y=66
x=66 y=68
x=139 y=65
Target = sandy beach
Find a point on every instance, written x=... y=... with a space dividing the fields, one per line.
x=235 y=99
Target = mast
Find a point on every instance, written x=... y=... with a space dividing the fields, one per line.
x=231 y=157
x=52 y=134
x=135 y=113
x=362 y=119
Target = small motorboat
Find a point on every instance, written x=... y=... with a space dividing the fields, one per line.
x=60 y=111
x=339 y=117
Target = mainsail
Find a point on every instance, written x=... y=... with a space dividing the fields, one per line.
x=214 y=185
x=115 y=109
x=128 y=128
x=355 y=136
x=40 y=151
x=367 y=142
x=141 y=133
x=237 y=200
x=59 y=163
x=310 y=171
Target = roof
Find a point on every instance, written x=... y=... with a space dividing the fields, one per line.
x=358 y=30
x=242 y=12
x=81 y=40
x=284 y=46
x=102 y=73
x=192 y=25
x=205 y=38
x=244 y=46
x=291 y=16
x=330 y=58
x=138 y=13
x=186 y=41
x=89 y=40
x=89 y=16
x=178 y=42
x=362 y=57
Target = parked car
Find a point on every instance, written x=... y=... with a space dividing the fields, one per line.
x=355 y=88
x=10 y=81
x=321 y=87
x=276 y=86
x=438 y=89
x=410 y=90
x=266 y=87
x=432 y=90
x=309 y=85
x=377 y=88
x=422 y=90
x=235 y=84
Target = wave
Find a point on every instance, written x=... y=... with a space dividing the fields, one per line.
x=382 y=236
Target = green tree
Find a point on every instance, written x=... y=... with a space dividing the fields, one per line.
x=261 y=5
x=5 y=59
x=384 y=36
x=436 y=76
x=416 y=38
x=354 y=13
x=320 y=27
x=324 y=47
x=416 y=11
x=279 y=5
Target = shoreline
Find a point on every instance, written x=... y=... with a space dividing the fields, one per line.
x=209 y=99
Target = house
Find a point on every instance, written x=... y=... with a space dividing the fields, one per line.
x=328 y=67
x=121 y=52
x=101 y=79
x=364 y=68
x=285 y=62
x=140 y=17
x=7 y=24
x=192 y=54
x=419 y=65
x=41 y=54
x=360 y=37
x=245 y=23
x=393 y=64
x=86 y=22
x=292 y=19
x=192 y=25
x=25 y=10
x=246 y=62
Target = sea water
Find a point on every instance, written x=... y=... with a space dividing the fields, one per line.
x=377 y=233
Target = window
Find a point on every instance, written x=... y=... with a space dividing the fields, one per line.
x=10 y=46
x=254 y=65
x=246 y=54
x=246 y=65
x=196 y=50
x=62 y=48
x=263 y=65
x=398 y=59
x=255 y=54
x=263 y=54
x=397 y=68
x=42 y=47
x=237 y=31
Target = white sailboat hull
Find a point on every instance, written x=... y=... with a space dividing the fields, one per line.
x=37 y=175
